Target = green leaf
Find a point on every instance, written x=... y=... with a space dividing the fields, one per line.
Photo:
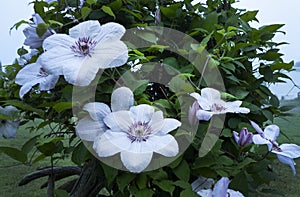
x=148 y=36
x=27 y=147
x=282 y=65
x=14 y=153
x=165 y=185
x=110 y=173
x=85 y=11
x=18 y=24
x=141 y=181
x=189 y=193
x=41 y=29
x=143 y=192
x=124 y=180
x=54 y=22
x=61 y=193
x=159 y=174
x=115 y=5
x=249 y=16
x=91 y=2
x=80 y=154
x=172 y=11
x=61 y=106
x=24 y=106
x=182 y=171
x=108 y=11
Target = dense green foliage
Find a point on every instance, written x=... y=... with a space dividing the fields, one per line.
x=247 y=58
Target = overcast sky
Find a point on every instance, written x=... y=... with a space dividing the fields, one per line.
x=270 y=12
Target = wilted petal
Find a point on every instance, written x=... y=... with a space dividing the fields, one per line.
x=136 y=162
x=121 y=99
x=288 y=161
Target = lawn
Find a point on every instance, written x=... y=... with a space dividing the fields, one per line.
x=11 y=171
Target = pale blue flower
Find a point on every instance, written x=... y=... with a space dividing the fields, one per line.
x=88 y=48
x=89 y=127
x=136 y=134
x=33 y=40
x=210 y=103
x=285 y=152
x=8 y=127
x=33 y=74
x=220 y=190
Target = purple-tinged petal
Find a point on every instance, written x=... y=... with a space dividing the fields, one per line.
x=245 y=137
x=220 y=188
x=288 y=161
x=192 y=113
x=257 y=128
x=236 y=136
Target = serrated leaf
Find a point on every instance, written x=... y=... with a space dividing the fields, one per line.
x=14 y=153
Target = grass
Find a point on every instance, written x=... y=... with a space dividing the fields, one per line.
x=12 y=172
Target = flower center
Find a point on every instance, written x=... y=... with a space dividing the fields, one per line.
x=217 y=107
x=139 y=132
x=84 y=46
x=275 y=146
x=42 y=73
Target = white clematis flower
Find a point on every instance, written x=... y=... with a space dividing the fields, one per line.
x=93 y=125
x=285 y=152
x=33 y=40
x=136 y=134
x=211 y=104
x=88 y=48
x=33 y=74
x=8 y=128
x=220 y=190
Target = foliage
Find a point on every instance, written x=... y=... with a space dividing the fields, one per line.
x=247 y=58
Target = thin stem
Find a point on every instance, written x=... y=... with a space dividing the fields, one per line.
x=203 y=70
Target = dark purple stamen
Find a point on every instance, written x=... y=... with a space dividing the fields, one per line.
x=139 y=132
x=83 y=46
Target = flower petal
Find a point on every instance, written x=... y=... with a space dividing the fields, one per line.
x=28 y=73
x=169 y=124
x=86 y=29
x=220 y=188
x=9 y=129
x=142 y=113
x=27 y=87
x=233 y=193
x=119 y=121
x=205 y=193
x=88 y=129
x=110 y=54
x=257 y=128
x=136 y=162
x=257 y=139
x=289 y=150
x=168 y=144
x=58 y=40
x=110 y=32
x=104 y=147
x=97 y=110
x=47 y=83
x=121 y=99
x=204 y=115
x=288 y=161
x=271 y=132
x=236 y=136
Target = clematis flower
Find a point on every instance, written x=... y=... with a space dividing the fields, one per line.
x=220 y=190
x=210 y=103
x=93 y=125
x=285 y=152
x=33 y=40
x=244 y=137
x=137 y=134
x=88 y=48
x=33 y=74
x=8 y=127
